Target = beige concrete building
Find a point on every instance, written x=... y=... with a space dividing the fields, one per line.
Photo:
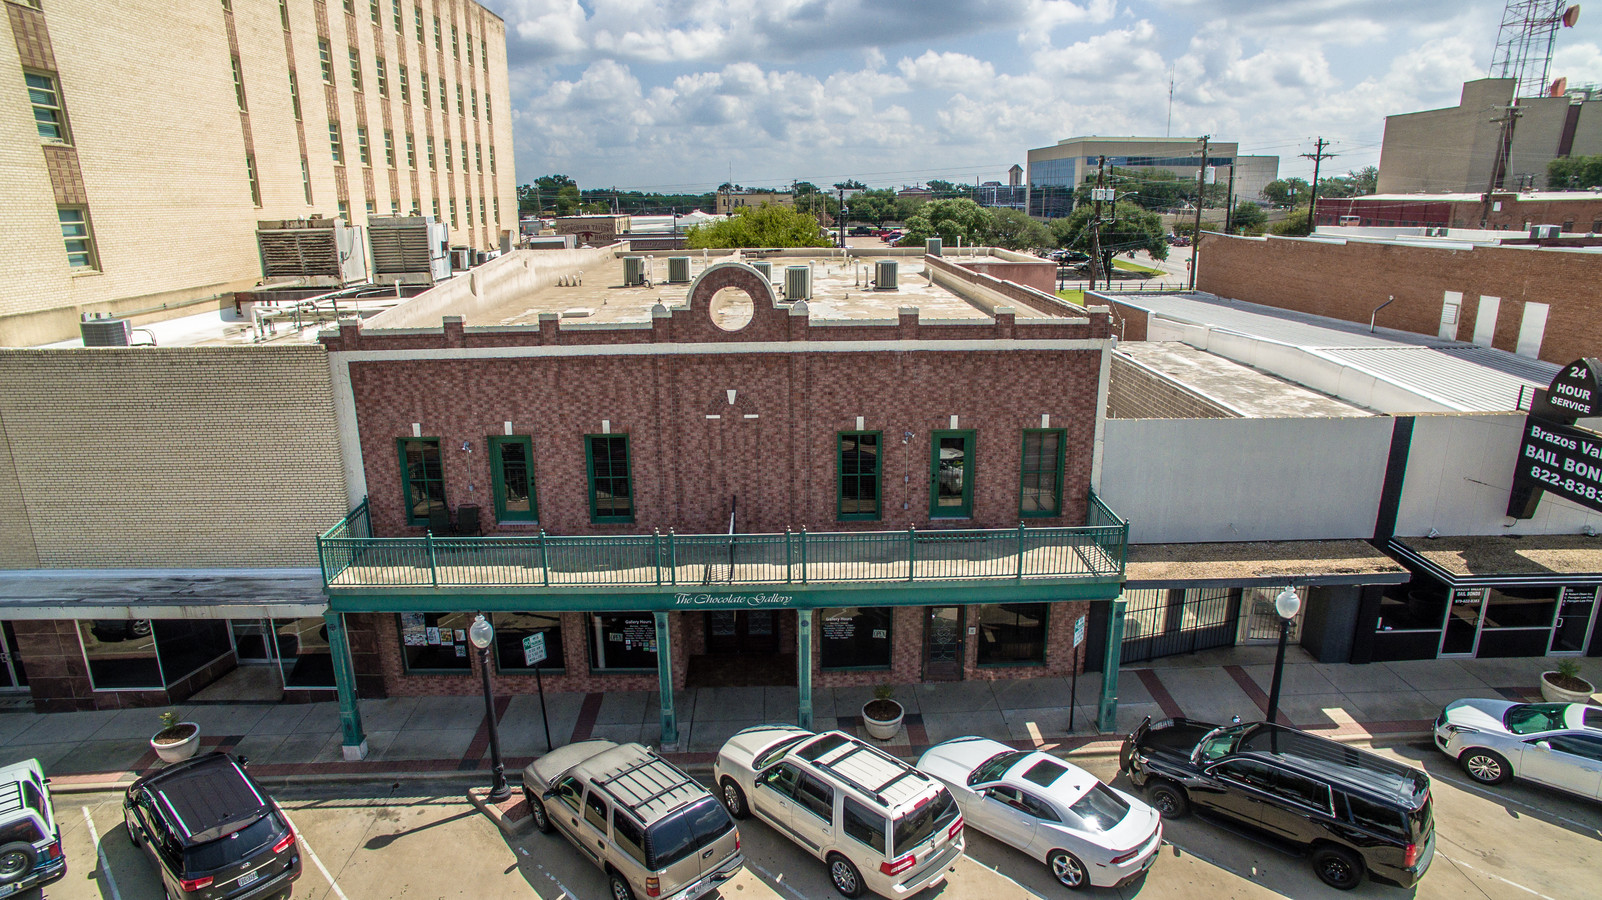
x=1454 y=149
x=729 y=201
x=142 y=142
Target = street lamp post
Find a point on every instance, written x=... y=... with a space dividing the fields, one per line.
x=482 y=634
x=1286 y=605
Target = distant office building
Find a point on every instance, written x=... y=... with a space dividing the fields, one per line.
x=729 y=201
x=1012 y=195
x=1056 y=171
x=1252 y=174
x=1454 y=149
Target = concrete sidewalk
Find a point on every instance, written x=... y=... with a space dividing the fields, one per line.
x=440 y=735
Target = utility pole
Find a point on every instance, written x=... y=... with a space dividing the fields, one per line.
x=1229 y=202
x=1498 y=168
x=842 y=216
x=1201 y=189
x=1312 y=202
x=1095 y=225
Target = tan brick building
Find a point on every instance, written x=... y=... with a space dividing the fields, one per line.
x=137 y=157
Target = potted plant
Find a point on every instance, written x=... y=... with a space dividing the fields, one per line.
x=1565 y=685
x=882 y=715
x=176 y=741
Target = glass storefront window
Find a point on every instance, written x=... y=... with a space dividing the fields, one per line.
x=510 y=630
x=1512 y=607
x=855 y=637
x=303 y=652
x=436 y=641
x=1011 y=634
x=121 y=654
x=186 y=645
x=1416 y=606
x=622 y=641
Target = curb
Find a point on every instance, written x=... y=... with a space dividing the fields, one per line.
x=511 y=815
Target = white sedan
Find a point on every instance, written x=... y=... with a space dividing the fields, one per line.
x=1084 y=831
x=1555 y=744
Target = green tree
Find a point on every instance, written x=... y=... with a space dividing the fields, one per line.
x=876 y=207
x=768 y=225
x=1013 y=229
x=568 y=200
x=850 y=184
x=1364 y=180
x=1128 y=228
x=1574 y=173
x=1294 y=225
x=1248 y=218
x=905 y=207
x=949 y=220
x=1285 y=191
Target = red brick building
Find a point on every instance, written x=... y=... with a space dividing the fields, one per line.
x=1574 y=212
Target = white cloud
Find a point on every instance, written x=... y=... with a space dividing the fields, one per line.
x=948 y=71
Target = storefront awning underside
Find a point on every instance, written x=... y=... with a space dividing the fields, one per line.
x=161 y=594
x=1532 y=559
x=1259 y=564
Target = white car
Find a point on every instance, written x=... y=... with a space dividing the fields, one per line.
x=1084 y=831
x=1555 y=744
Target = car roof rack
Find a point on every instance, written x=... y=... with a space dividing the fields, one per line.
x=833 y=767
x=642 y=783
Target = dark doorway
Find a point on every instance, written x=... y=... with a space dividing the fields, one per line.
x=942 y=644
x=742 y=631
x=743 y=649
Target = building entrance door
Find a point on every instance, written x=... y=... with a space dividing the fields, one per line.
x=730 y=631
x=1461 y=636
x=13 y=677
x=1576 y=606
x=942 y=644
x=253 y=641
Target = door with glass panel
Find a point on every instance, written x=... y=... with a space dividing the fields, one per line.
x=253 y=644
x=13 y=677
x=1572 y=628
x=1461 y=636
x=942 y=647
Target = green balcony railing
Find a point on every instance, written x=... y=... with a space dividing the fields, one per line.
x=352 y=558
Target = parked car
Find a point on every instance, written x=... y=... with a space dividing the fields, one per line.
x=1555 y=744
x=1353 y=811
x=652 y=829
x=30 y=839
x=878 y=823
x=1084 y=831
x=211 y=831
x=862 y=231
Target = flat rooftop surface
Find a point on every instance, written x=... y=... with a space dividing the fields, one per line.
x=1247 y=391
x=840 y=290
x=1467 y=556
x=1260 y=562
x=222 y=327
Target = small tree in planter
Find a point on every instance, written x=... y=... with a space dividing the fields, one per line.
x=1565 y=684
x=176 y=741
x=882 y=715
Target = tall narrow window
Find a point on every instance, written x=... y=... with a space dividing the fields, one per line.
x=398 y=18
x=464 y=156
x=325 y=59
x=1040 y=487
x=305 y=179
x=492 y=159
x=461 y=102
x=411 y=151
x=483 y=217
x=383 y=78
x=417 y=17
x=497 y=210
x=858 y=495
x=489 y=110
x=475 y=103
x=255 y=186
x=389 y=148
x=483 y=56
x=75 y=232
x=372 y=208
x=373 y=11
x=470 y=49
x=294 y=94
x=405 y=87
x=344 y=210
x=49 y=116
x=456 y=52
x=512 y=471
x=436 y=209
x=438 y=44
x=422 y=478
x=350 y=7
x=335 y=145
x=478 y=157
x=239 y=82
x=355 y=68
x=448 y=154
x=951 y=475
x=428 y=142
x=611 y=497
x=444 y=98
x=423 y=83
x=283 y=13
x=361 y=146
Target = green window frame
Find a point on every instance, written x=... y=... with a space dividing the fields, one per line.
x=946 y=505
x=512 y=478
x=422 y=479
x=1040 y=473
x=606 y=463
x=49 y=113
x=860 y=476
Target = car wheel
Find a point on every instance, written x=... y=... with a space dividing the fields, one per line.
x=1337 y=867
x=1485 y=766
x=17 y=859
x=847 y=880
x=1168 y=798
x=620 y=887
x=133 y=830
x=536 y=809
x=734 y=799
x=1067 y=869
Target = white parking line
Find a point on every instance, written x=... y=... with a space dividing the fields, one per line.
x=778 y=880
x=566 y=891
x=1458 y=862
x=105 y=866
x=301 y=836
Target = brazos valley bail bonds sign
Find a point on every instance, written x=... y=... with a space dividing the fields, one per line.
x=1555 y=456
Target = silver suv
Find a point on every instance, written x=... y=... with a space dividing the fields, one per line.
x=30 y=840
x=878 y=823
x=650 y=827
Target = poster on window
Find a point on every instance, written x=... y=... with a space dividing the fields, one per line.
x=433 y=636
x=412 y=630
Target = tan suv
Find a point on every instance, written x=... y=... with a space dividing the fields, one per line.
x=650 y=827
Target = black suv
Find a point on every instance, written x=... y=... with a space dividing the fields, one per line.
x=1354 y=811
x=212 y=832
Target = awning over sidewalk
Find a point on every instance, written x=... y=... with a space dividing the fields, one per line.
x=1259 y=563
x=1532 y=559
x=161 y=594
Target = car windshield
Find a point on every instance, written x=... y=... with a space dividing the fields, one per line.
x=1100 y=809
x=775 y=752
x=995 y=767
x=1530 y=718
x=1219 y=741
x=919 y=825
x=226 y=851
x=677 y=836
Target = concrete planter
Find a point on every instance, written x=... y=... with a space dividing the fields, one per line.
x=882 y=729
x=177 y=750
x=1554 y=694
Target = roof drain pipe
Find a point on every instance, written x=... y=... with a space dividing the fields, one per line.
x=1389 y=299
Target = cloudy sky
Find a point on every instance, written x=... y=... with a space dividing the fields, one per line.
x=682 y=95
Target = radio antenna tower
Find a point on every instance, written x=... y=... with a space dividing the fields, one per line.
x=1524 y=43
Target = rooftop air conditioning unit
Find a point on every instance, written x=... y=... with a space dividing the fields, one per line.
x=797 y=283
x=319 y=251
x=633 y=271
x=412 y=249
x=103 y=331
x=1545 y=232
x=678 y=270
x=765 y=267
x=884 y=276
x=933 y=247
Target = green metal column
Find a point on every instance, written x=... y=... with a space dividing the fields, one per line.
x=803 y=666
x=350 y=714
x=1107 y=707
x=664 y=677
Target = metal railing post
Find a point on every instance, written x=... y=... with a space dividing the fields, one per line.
x=433 y=561
x=545 y=559
x=673 y=557
x=656 y=552
x=1020 y=550
x=788 y=575
x=803 y=554
x=912 y=551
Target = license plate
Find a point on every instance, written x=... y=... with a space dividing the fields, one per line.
x=7 y=889
x=248 y=878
